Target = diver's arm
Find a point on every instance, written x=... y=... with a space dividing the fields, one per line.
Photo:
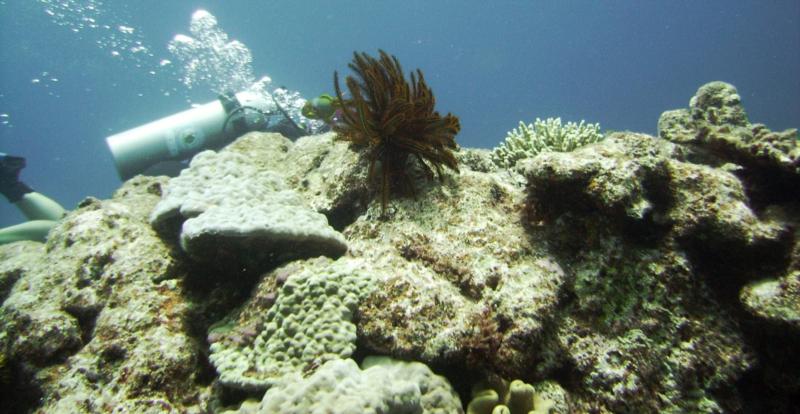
x=35 y=230
x=36 y=206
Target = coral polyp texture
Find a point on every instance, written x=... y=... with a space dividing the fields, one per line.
x=635 y=274
x=395 y=120
x=227 y=203
x=544 y=135
x=310 y=322
x=382 y=385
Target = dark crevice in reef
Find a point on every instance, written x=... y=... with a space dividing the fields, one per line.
x=212 y=298
x=86 y=317
x=231 y=397
x=772 y=385
x=728 y=265
x=347 y=211
x=18 y=392
x=649 y=231
x=7 y=283
x=548 y=201
x=766 y=186
x=727 y=268
x=568 y=206
x=169 y=230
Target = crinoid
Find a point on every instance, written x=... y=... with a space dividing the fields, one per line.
x=395 y=120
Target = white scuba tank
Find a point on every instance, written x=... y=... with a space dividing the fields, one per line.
x=181 y=135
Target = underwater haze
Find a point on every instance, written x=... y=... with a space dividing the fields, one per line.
x=73 y=72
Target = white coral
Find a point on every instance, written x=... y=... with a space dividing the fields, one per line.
x=544 y=135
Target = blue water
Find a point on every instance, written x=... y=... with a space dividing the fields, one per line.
x=67 y=82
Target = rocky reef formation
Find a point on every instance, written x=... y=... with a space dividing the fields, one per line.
x=635 y=274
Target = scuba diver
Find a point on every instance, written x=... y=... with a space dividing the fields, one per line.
x=209 y=126
x=42 y=212
x=175 y=137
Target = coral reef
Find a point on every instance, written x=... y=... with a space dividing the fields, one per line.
x=395 y=120
x=719 y=134
x=626 y=221
x=636 y=274
x=544 y=135
x=468 y=288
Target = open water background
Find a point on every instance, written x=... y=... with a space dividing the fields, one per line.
x=75 y=71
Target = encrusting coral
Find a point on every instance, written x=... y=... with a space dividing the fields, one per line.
x=310 y=323
x=381 y=385
x=231 y=211
x=544 y=135
x=395 y=119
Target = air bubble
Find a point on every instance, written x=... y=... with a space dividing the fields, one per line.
x=208 y=57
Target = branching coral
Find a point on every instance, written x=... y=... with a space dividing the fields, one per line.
x=544 y=135
x=395 y=120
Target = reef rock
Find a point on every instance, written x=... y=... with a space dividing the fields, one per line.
x=776 y=300
x=633 y=223
x=96 y=320
x=463 y=281
x=716 y=130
